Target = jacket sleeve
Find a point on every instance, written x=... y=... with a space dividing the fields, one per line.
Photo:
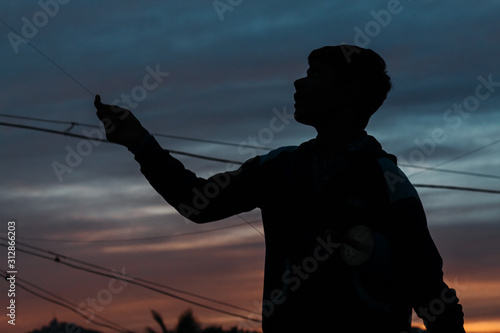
x=198 y=199
x=417 y=259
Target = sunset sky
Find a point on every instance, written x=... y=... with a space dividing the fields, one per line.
x=224 y=70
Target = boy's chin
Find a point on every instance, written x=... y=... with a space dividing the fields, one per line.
x=302 y=118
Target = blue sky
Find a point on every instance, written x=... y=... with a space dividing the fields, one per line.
x=227 y=72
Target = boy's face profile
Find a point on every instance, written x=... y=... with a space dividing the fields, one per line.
x=319 y=96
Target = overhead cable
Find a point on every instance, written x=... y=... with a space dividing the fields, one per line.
x=170 y=136
x=216 y=159
x=59 y=258
x=64 y=303
x=48 y=58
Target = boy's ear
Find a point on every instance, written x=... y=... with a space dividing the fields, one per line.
x=350 y=92
x=353 y=91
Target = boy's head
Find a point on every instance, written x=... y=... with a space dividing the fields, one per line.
x=345 y=84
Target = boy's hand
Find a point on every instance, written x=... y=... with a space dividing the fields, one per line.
x=121 y=126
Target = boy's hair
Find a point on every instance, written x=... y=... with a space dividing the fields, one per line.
x=362 y=66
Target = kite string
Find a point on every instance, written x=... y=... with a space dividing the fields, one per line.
x=48 y=58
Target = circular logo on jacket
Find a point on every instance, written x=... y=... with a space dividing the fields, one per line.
x=357 y=245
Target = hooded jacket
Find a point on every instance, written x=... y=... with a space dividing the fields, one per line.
x=347 y=243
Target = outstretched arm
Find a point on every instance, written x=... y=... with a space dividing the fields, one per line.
x=198 y=199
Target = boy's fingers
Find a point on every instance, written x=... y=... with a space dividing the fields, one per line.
x=105 y=110
x=110 y=113
x=100 y=106
x=97 y=102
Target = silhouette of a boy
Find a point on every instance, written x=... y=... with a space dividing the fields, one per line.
x=347 y=243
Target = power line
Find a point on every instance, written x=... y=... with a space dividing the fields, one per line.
x=59 y=258
x=34 y=128
x=466 y=173
x=137 y=239
x=48 y=130
x=43 y=120
x=170 y=136
x=64 y=303
x=250 y=224
x=457 y=157
x=73 y=123
x=222 y=160
x=457 y=188
x=473 y=151
x=47 y=57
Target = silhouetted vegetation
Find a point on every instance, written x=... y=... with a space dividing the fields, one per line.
x=187 y=323
x=56 y=327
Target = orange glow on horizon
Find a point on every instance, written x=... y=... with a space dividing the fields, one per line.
x=491 y=326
